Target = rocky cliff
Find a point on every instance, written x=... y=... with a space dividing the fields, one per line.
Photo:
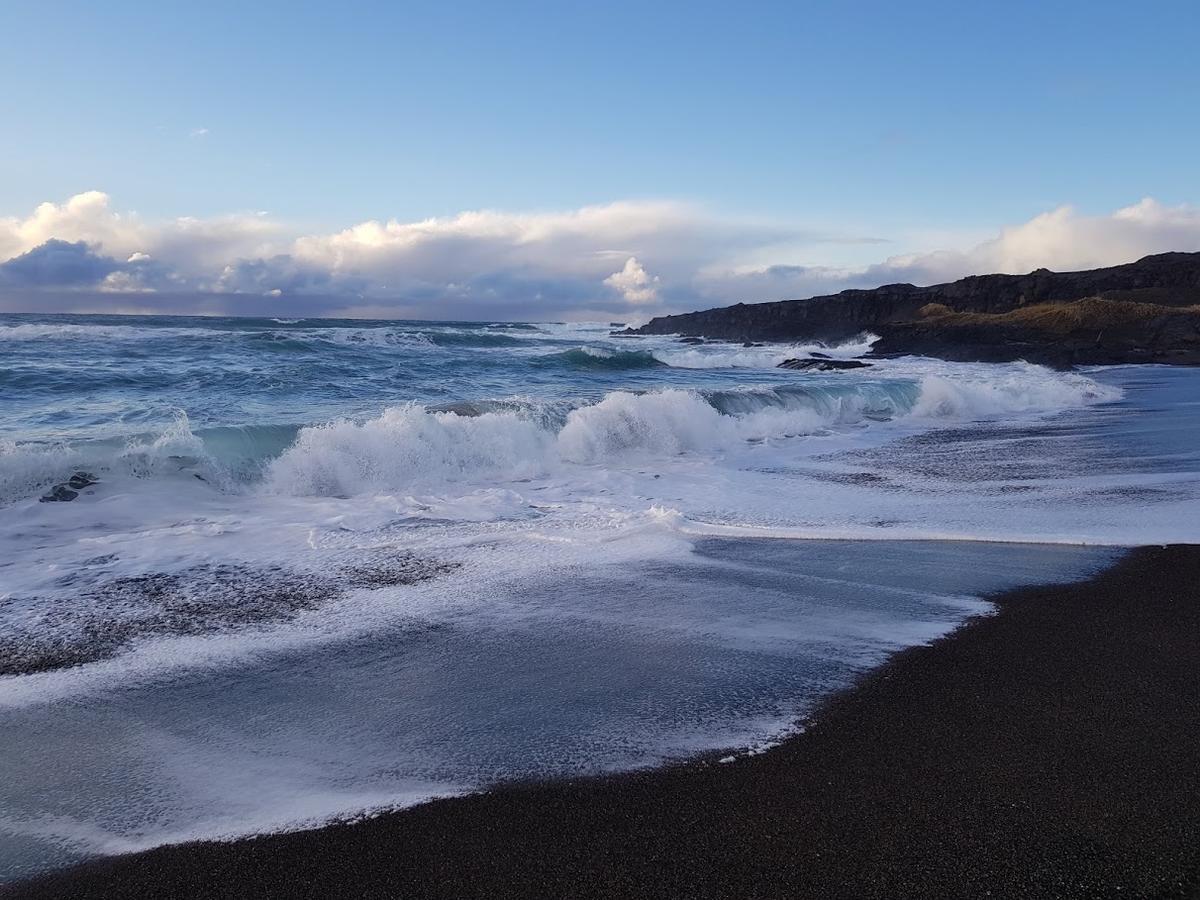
x=1163 y=283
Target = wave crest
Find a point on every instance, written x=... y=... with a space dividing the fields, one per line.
x=408 y=444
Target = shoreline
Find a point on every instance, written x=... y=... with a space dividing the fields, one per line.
x=1049 y=749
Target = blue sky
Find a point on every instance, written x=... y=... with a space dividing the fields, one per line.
x=926 y=125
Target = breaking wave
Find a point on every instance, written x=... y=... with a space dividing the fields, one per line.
x=406 y=444
x=412 y=446
x=225 y=457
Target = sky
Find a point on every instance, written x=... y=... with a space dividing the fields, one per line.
x=562 y=160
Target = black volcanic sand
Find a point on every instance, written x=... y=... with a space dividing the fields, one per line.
x=1050 y=750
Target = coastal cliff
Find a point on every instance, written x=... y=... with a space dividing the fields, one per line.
x=1144 y=311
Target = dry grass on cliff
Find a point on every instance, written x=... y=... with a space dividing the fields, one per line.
x=1061 y=318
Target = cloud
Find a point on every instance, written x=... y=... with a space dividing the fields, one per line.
x=597 y=262
x=66 y=264
x=57 y=264
x=198 y=133
x=1062 y=239
x=282 y=274
x=194 y=248
x=84 y=217
x=634 y=284
x=583 y=242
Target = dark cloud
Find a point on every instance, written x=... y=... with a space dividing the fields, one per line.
x=58 y=264
x=67 y=264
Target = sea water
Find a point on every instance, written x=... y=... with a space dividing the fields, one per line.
x=331 y=567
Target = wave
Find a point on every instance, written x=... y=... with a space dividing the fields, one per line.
x=391 y=337
x=72 y=331
x=358 y=337
x=304 y=337
x=26 y=468
x=414 y=447
x=768 y=356
x=599 y=358
x=225 y=457
x=411 y=447
x=473 y=339
x=1018 y=391
x=404 y=445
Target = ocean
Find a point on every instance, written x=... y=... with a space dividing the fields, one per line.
x=330 y=567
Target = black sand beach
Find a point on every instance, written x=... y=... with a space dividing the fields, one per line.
x=1052 y=750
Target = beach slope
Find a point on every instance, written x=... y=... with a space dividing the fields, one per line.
x=1047 y=751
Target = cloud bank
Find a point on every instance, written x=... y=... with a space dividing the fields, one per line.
x=626 y=260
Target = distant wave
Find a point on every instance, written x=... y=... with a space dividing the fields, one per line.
x=38 y=331
x=304 y=337
x=768 y=356
x=600 y=358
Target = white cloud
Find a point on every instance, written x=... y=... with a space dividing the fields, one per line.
x=633 y=283
x=1065 y=240
x=198 y=132
x=592 y=262
x=84 y=217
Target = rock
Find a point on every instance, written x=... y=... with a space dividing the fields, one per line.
x=691 y=340
x=893 y=312
x=60 y=493
x=1093 y=331
x=816 y=355
x=751 y=344
x=80 y=480
x=823 y=365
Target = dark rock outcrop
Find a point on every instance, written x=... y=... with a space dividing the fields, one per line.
x=1085 y=332
x=823 y=365
x=892 y=311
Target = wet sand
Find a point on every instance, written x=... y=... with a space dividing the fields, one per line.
x=1050 y=750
